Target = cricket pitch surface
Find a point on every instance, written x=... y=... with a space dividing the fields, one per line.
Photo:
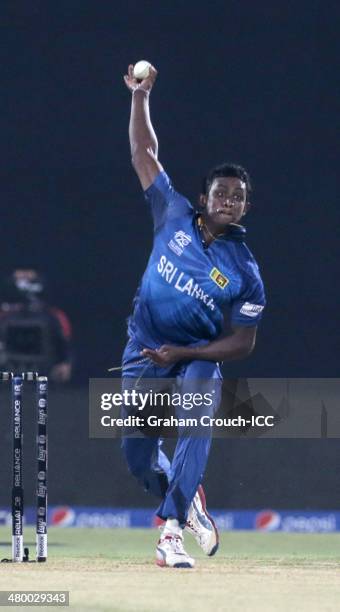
x=114 y=570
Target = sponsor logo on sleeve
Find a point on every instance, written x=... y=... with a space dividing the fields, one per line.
x=251 y=310
x=179 y=242
x=218 y=278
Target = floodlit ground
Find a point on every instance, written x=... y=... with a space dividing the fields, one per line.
x=114 y=570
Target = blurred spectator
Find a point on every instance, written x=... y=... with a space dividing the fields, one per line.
x=33 y=335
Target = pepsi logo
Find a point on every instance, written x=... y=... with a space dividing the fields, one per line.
x=268 y=520
x=63 y=516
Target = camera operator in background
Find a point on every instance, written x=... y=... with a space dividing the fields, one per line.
x=33 y=335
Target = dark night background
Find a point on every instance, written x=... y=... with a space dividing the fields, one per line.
x=250 y=82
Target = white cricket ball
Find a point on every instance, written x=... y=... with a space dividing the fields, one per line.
x=141 y=70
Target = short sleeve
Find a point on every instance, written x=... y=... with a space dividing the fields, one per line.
x=164 y=201
x=247 y=308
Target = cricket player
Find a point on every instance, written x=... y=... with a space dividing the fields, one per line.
x=199 y=267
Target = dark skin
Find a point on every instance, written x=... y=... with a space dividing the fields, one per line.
x=225 y=203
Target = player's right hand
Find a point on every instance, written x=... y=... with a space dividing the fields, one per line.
x=147 y=84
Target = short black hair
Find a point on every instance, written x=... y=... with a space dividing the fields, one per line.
x=226 y=169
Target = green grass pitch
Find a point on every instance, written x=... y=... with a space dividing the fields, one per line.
x=114 y=570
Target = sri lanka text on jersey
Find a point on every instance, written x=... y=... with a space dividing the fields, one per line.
x=181 y=282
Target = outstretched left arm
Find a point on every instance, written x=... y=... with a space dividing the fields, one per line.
x=236 y=346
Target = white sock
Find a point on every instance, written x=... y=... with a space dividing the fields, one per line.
x=172 y=527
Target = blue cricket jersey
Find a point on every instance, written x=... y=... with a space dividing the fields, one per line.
x=186 y=288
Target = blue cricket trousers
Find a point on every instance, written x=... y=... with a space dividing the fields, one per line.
x=176 y=482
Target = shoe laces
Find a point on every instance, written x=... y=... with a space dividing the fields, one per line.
x=196 y=525
x=193 y=521
x=195 y=529
x=192 y=525
x=176 y=542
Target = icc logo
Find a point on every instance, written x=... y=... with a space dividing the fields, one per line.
x=179 y=242
x=182 y=238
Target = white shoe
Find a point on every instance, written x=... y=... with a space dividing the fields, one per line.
x=170 y=552
x=201 y=525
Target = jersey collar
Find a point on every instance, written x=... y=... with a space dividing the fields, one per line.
x=233 y=232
